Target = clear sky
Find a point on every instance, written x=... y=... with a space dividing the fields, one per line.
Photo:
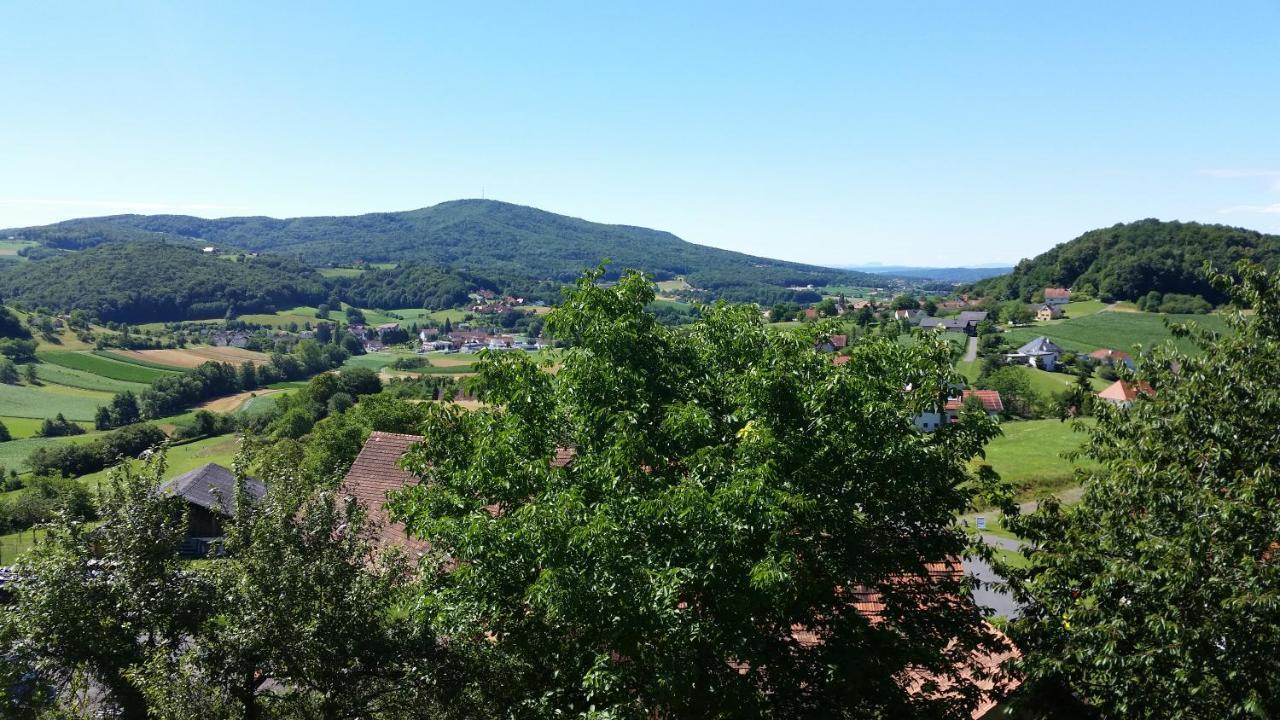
x=840 y=133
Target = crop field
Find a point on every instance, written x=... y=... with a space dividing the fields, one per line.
x=104 y=365
x=48 y=400
x=48 y=372
x=1116 y=330
x=190 y=357
x=1029 y=454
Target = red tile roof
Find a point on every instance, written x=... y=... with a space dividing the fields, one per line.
x=377 y=472
x=991 y=401
x=841 y=359
x=839 y=341
x=1121 y=391
x=1109 y=354
x=1057 y=293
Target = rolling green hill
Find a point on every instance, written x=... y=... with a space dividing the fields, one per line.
x=1115 y=330
x=147 y=281
x=485 y=237
x=1128 y=261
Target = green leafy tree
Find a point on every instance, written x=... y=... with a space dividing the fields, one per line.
x=1015 y=312
x=5 y=436
x=1155 y=596
x=29 y=374
x=8 y=372
x=1019 y=397
x=729 y=485
x=96 y=621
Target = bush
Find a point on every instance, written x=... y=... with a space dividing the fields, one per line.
x=59 y=426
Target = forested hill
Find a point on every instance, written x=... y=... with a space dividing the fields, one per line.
x=484 y=237
x=149 y=281
x=1128 y=261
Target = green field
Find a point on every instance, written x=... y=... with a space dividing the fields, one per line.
x=49 y=400
x=13 y=454
x=107 y=366
x=1082 y=308
x=1029 y=455
x=1047 y=383
x=301 y=315
x=62 y=375
x=1116 y=330
x=10 y=248
x=21 y=427
x=340 y=272
x=221 y=450
x=374 y=361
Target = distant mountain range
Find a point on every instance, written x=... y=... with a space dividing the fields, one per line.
x=484 y=237
x=944 y=274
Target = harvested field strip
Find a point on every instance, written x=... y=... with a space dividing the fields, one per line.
x=105 y=366
x=188 y=358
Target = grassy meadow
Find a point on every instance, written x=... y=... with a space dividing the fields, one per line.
x=1116 y=330
x=1030 y=455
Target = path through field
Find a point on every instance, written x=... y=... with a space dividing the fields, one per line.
x=971 y=352
x=231 y=403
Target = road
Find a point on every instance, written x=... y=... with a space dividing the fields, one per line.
x=971 y=353
x=998 y=601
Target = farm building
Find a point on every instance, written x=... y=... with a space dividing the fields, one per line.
x=1057 y=296
x=210 y=495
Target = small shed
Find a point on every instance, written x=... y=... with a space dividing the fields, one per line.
x=210 y=494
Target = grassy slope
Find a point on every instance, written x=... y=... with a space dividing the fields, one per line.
x=1117 y=330
x=105 y=366
x=13 y=454
x=49 y=400
x=1029 y=454
x=62 y=375
x=21 y=427
x=221 y=450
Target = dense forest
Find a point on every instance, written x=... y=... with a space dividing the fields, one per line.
x=144 y=282
x=411 y=285
x=485 y=237
x=1130 y=261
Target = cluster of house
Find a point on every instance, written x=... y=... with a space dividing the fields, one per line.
x=950 y=411
x=488 y=304
x=965 y=322
x=373 y=337
x=842 y=307
x=470 y=341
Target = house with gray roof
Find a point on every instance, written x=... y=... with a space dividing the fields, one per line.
x=1041 y=352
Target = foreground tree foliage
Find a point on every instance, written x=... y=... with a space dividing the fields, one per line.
x=1158 y=595
x=300 y=620
x=730 y=492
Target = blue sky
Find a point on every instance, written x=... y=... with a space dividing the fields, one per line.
x=842 y=133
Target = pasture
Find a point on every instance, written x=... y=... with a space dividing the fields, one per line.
x=181 y=458
x=1116 y=330
x=104 y=365
x=1029 y=455
x=13 y=454
x=48 y=400
x=21 y=427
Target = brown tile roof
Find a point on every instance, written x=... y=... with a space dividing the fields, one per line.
x=841 y=359
x=1057 y=293
x=376 y=472
x=1109 y=354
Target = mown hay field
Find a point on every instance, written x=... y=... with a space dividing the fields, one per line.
x=192 y=357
